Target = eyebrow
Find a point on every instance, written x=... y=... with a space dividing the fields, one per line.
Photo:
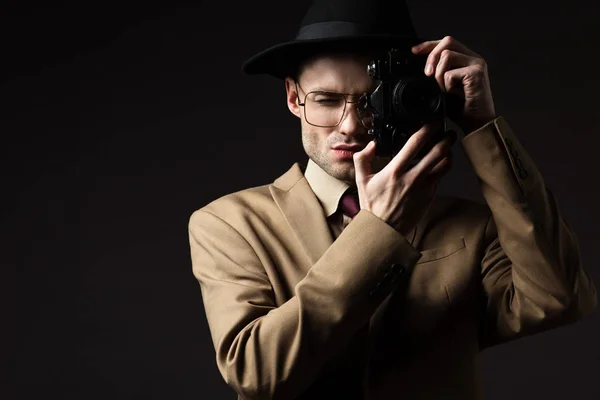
x=324 y=89
x=329 y=90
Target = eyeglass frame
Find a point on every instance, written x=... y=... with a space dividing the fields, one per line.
x=362 y=97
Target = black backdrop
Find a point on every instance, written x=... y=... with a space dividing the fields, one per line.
x=118 y=122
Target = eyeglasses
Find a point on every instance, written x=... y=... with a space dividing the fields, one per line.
x=327 y=109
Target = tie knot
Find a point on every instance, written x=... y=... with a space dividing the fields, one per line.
x=349 y=204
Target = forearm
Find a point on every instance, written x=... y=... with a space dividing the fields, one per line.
x=269 y=351
x=532 y=269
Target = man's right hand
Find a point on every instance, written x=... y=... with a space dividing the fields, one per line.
x=400 y=194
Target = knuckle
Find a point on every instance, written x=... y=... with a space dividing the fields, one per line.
x=409 y=179
x=444 y=55
x=440 y=73
x=449 y=39
x=437 y=152
x=395 y=174
x=479 y=69
x=444 y=147
x=447 y=77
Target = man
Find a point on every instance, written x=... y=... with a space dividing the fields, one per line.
x=305 y=298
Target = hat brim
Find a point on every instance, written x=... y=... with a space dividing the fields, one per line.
x=282 y=59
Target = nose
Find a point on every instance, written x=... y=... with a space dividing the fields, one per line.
x=351 y=123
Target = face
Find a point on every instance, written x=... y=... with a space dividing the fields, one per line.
x=338 y=73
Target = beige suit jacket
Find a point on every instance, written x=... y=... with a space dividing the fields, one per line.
x=294 y=313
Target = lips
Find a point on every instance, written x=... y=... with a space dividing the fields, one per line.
x=346 y=147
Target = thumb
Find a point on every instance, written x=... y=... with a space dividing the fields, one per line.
x=362 y=161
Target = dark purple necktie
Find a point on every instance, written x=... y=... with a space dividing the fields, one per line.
x=349 y=204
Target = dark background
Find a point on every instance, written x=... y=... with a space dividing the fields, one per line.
x=119 y=122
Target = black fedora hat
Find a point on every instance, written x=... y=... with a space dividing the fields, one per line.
x=336 y=24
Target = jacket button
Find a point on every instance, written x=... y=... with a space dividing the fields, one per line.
x=397 y=268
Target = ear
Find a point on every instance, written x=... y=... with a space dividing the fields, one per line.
x=292 y=97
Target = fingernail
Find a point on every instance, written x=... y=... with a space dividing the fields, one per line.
x=428 y=69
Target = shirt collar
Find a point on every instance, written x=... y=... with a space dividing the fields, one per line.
x=328 y=189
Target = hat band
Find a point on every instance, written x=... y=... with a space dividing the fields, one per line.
x=324 y=30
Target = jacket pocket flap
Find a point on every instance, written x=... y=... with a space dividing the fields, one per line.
x=441 y=252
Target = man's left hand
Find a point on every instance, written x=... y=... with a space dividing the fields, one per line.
x=460 y=70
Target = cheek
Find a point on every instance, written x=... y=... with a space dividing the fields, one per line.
x=319 y=139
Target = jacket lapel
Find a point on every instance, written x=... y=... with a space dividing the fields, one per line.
x=303 y=212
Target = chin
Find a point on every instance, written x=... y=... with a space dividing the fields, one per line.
x=343 y=172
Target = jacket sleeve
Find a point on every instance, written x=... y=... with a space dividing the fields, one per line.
x=270 y=351
x=531 y=268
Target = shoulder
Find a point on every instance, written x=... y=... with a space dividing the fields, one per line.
x=251 y=203
x=236 y=206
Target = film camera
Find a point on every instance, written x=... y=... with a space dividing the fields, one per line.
x=404 y=100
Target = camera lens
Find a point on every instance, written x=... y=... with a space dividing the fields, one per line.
x=417 y=97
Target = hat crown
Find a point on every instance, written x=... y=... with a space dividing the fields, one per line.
x=376 y=17
x=331 y=24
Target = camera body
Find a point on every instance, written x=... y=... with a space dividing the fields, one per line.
x=404 y=100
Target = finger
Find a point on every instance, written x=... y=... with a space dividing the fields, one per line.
x=428 y=45
x=448 y=43
x=362 y=163
x=441 y=169
x=455 y=80
x=450 y=59
x=434 y=156
x=412 y=147
x=425 y=47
